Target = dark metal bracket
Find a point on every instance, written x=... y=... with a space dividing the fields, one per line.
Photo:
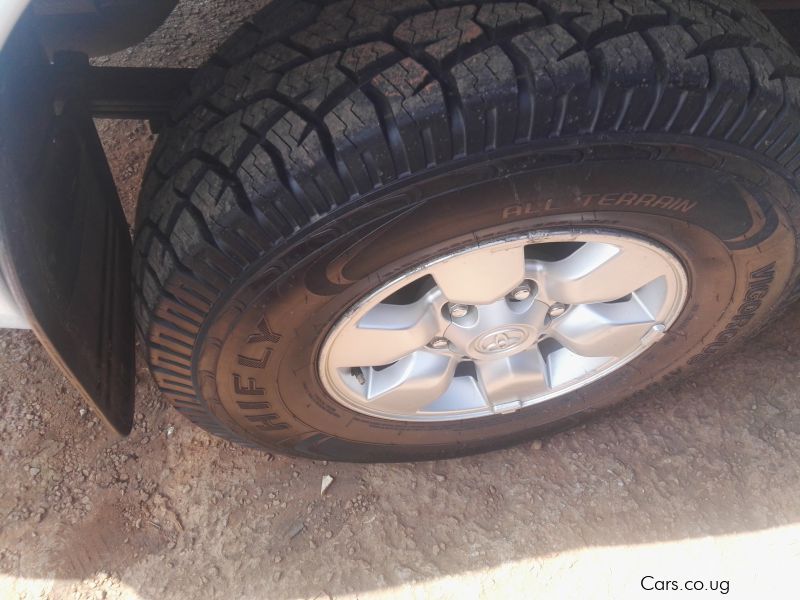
x=119 y=92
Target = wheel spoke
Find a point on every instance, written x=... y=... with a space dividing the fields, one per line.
x=480 y=277
x=387 y=333
x=603 y=330
x=564 y=366
x=597 y=272
x=411 y=383
x=513 y=378
x=462 y=395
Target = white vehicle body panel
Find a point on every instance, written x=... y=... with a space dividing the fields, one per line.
x=10 y=314
x=10 y=11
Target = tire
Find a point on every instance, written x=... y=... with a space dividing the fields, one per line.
x=329 y=147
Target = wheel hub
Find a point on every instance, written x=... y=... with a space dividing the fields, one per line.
x=500 y=326
x=504 y=327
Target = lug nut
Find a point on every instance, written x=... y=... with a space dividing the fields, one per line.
x=557 y=309
x=458 y=311
x=439 y=343
x=522 y=292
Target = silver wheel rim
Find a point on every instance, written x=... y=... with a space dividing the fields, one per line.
x=503 y=325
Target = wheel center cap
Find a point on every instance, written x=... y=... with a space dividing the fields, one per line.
x=501 y=340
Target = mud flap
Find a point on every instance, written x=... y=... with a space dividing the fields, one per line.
x=65 y=247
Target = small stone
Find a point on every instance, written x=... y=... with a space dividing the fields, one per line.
x=295 y=530
x=34 y=471
x=536 y=445
x=440 y=477
x=327 y=480
x=82 y=412
x=328 y=534
x=170 y=430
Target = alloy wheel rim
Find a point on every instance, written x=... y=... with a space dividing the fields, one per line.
x=502 y=325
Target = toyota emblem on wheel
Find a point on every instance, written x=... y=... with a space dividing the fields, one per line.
x=502 y=340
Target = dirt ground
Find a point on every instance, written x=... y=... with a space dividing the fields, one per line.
x=697 y=481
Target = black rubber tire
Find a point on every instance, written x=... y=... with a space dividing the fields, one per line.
x=330 y=146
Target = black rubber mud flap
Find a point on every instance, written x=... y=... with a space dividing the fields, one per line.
x=65 y=248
